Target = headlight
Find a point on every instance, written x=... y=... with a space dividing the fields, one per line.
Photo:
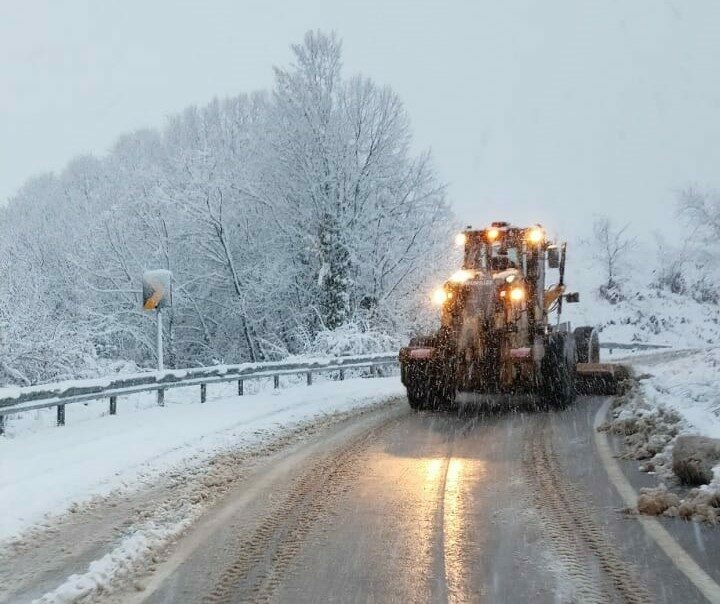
x=461 y=276
x=460 y=239
x=536 y=235
x=439 y=296
x=517 y=294
x=492 y=234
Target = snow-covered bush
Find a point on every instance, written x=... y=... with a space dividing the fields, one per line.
x=351 y=339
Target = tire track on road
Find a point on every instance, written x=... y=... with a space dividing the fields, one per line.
x=263 y=559
x=574 y=531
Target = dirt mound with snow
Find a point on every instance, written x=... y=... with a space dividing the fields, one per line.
x=694 y=458
x=648 y=431
x=699 y=505
x=658 y=436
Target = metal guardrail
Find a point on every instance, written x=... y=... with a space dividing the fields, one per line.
x=17 y=400
x=632 y=346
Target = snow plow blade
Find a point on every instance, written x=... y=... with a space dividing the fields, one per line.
x=601 y=378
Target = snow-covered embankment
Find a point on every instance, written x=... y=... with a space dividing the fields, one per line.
x=677 y=394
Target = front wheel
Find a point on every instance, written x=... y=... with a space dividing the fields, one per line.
x=416 y=399
x=429 y=387
x=442 y=397
x=558 y=371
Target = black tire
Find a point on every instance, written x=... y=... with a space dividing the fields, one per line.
x=441 y=397
x=431 y=398
x=415 y=378
x=428 y=388
x=587 y=345
x=558 y=371
x=416 y=400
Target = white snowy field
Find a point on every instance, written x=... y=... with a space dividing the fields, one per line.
x=688 y=382
x=46 y=470
x=647 y=314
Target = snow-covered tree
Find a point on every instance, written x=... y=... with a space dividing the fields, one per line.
x=612 y=245
x=285 y=217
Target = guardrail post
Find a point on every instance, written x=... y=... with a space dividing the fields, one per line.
x=2 y=425
x=241 y=388
x=309 y=378
x=203 y=393
x=342 y=375
x=276 y=381
x=161 y=398
x=61 y=415
x=113 y=405
x=373 y=371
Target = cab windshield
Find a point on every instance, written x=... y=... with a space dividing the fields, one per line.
x=492 y=257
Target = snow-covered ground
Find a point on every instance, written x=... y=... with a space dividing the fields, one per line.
x=688 y=383
x=677 y=393
x=45 y=470
x=647 y=314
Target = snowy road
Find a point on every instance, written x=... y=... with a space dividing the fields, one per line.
x=394 y=506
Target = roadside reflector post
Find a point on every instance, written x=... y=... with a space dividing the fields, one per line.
x=157 y=294
x=203 y=393
x=241 y=388
x=113 y=405
x=276 y=381
x=160 y=358
x=309 y=378
x=61 y=415
x=161 y=398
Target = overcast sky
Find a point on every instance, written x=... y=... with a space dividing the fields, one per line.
x=536 y=111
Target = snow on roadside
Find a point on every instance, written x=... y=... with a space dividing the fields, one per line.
x=46 y=471
x=689 y=383
x=677 y=393
x=141 y=544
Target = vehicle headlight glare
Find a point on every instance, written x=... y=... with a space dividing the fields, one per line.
x=461 y=276
x=536 y=235
x=517 y=294
x=439 y=296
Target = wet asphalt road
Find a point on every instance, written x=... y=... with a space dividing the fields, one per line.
x=420 y=507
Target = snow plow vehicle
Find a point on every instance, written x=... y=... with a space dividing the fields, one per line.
x=496 y=335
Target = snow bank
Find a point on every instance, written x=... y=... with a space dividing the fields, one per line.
x=677 y=394
x=688 y=383
x=652 y=317
x=45 y=470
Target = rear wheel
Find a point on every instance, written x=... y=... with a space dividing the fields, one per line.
x=587 y=345
x=558 y=371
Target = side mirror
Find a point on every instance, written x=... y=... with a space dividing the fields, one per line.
x=553 y=256
x=572 y=298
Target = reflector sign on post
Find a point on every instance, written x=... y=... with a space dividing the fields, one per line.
x=157 y=294
x=157 y=291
